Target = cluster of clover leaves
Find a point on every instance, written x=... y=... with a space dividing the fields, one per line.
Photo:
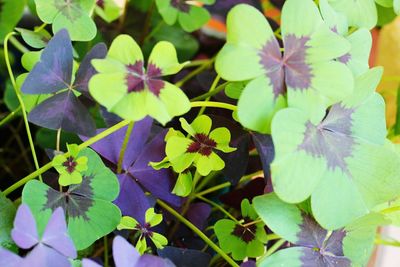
x=303 y=95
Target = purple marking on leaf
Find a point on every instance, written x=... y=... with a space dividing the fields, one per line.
x=54 y=70
x=331 y=138
x=314 y=258
x=76 y=201
x=334 y=244
x=345 y=58
x=246 y=234
x=202 y=144
x=265 y=149
x=271 y=60
x=100 y=3
x=65 y=111
x=138 y=80
x=86 y=70
x=181 y=5
x=297 y=72
x=70 y=164
x=249 y=263
x=311 y=235
x=290 y=69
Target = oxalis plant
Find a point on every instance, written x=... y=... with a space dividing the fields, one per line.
x=154 y=143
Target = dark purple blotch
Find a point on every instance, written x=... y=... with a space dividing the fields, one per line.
x=331 y=138
x=289 y=69
x=345 y=58
x=100 y=3
x=320 y=249
x=70 y=164
x=202 y=144
x=245 y=233
x=181 y=5
x=76 y=201
x=138 y=79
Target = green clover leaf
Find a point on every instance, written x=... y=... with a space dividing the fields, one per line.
x=70 y=168
x=242 y=240
x=302 y=70
x=132 y=92
x=109 y=10
x=338 y=161
x=183 y=185
x=74 y=15
x=152 y=219
x=190 y=16
x=199 y=148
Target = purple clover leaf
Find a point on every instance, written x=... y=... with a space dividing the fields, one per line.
x=200 y=148
x=190 y=16
x=70 y=167
x=54 y=245
x=151 y=219
x=243 y=240
x=125 y=255
x=127 y=89
x=137 y=177
x=339 y=161
x=53 y=74
x=302 y=70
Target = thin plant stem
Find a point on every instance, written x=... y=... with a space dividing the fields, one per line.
x=195 y=72
x=18 y=45
x=224 y=211
x=106 y=261
x=274 y=248
x=210 y=93
x=385 y=242
x=124 y=145
x=10 y=116
x=41 y=27
x=212 y=104
x=212 y=88
x=195 y=63
x=147 y=23
x=273 y=237
x=252 y=223
x=248 y=177
x=46 y=167
x=154 y=31
x=206 y=179
x=20 y=100
x=198 y=232
x=214 y=188
x=58 y=139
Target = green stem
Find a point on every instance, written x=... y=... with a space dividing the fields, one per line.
x=154 y=31
x=274 y=248
x=206 y=179
x=21 y=102
x=384 y=242
x=248 y=177
x=212 y=104
x=58 y=139
x=212 y=88
x=85 y=144
x=196 y=63
x=18 y=45
x=210 y=93
x=10 y=116
x=273 y=237
x=196 y=71
x=214 y=188
x=41 y=27
x=106 y=261
x=198 y=232
x=224 y=211
x=123 y=147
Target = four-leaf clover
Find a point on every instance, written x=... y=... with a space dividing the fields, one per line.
x=132 y=92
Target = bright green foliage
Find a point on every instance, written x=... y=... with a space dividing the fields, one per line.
x=190 y=16
x=89 y=209
x=356 y=240
x=74 y=15
x=337 y=160
x=152 y=219
x=242 y=241
x=7 y=213
x=10 y=13
x=360 y=13
x=200 y=148
x=36 y=39
x=70 y=168
x=125 y=88
x=111 y=9
x=183 y=185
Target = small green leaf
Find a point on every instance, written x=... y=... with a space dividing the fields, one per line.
x=7 y=213
x=183 y=185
